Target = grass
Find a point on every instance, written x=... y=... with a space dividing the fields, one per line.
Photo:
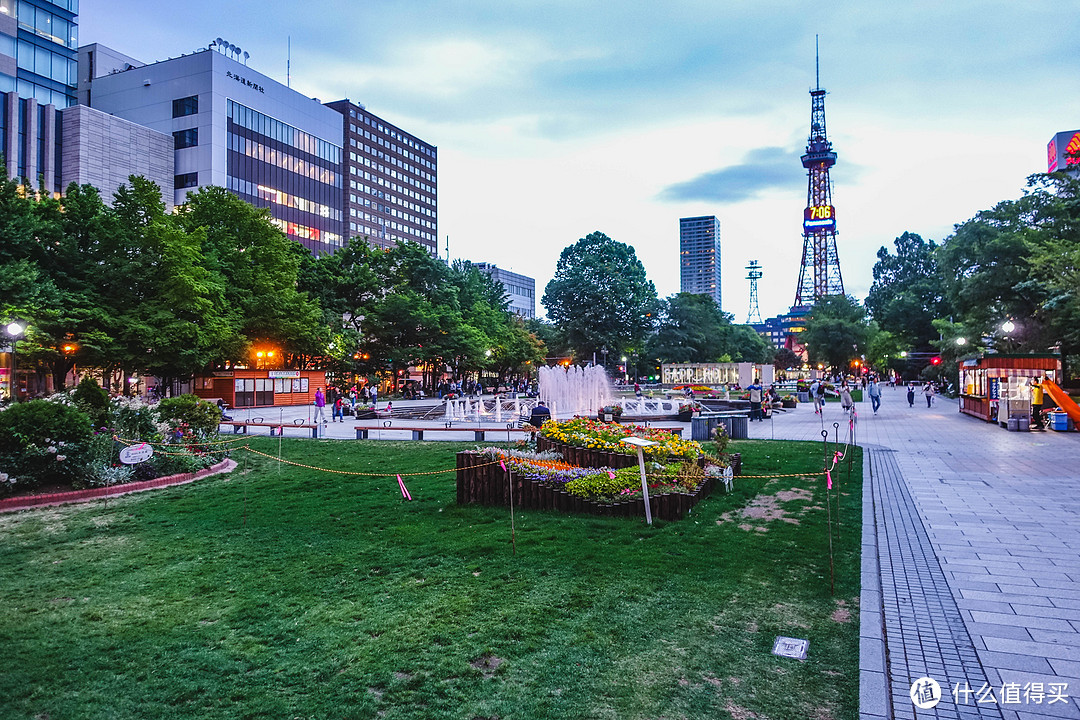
x=292 y=593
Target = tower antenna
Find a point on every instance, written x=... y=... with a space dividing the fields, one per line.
x=753 y=274
x=819 y=274
x=288 y=65
x=817 y=64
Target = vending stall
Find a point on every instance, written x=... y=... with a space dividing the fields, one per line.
x=998 y=387
x=261 y=388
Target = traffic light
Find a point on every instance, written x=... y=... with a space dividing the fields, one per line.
x=936 y=360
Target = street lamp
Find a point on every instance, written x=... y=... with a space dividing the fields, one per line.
x=625 y=371
x=15 y=329
x=961 y=341
x=1008 y=326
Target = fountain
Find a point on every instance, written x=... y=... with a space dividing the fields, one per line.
x=574 y=390
x=584 y=391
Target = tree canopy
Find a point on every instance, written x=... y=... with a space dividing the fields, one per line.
x=600 y=297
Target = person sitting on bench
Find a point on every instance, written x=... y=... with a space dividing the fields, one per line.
x=540 y=414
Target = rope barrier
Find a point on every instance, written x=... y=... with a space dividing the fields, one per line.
x=415 y=474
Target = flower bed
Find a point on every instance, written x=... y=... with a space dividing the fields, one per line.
x=606 y=440
x=480 y=479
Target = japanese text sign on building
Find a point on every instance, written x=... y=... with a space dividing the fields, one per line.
x=244 y=81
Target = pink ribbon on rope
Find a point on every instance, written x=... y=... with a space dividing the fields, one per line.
x=828 y=479
x=404 y=493
x=503 y=465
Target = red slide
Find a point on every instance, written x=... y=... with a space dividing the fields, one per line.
x=1062 y=399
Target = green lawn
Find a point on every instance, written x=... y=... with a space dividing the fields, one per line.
x=337 y=599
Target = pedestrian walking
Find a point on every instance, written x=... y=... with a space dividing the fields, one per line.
x=337 y=411
x=320 y=406
x=875 y=395
x=845 y=398
x=819 y=397
x=928 y=391
x=911 y=395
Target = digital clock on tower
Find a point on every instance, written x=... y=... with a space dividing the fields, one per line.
x=819 y=217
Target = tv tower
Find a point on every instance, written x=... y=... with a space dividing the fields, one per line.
x=819 y=274
x=753 y=275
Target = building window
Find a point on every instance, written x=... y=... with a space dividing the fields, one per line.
x=183 y=107
x=186 y=138
x=186 y=180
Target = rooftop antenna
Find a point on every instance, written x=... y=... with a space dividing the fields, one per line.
x=447 y=249
x=288 y=65
x=246 y=56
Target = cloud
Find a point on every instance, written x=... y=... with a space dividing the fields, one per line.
x=769 y=168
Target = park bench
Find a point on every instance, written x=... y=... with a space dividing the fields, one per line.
x=241 y=426
x=363 y=432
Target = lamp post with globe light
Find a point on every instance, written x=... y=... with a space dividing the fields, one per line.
x=15 y=329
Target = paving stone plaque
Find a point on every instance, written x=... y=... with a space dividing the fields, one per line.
x=790 y=647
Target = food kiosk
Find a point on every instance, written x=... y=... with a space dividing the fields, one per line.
x=261 y=388
x=998 y=387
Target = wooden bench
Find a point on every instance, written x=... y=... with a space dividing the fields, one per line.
x=363 y=431
x=241 y=426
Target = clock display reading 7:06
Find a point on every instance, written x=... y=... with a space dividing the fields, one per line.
x=819 y=212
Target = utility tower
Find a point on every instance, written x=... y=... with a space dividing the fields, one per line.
x=819 y=274
x=753 y=274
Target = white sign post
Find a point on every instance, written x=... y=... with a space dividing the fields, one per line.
x=640 y=443
x=135 y=454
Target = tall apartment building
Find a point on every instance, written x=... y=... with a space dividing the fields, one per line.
x=699 y=256
x=520 y=289
x=236 y=128
x=391 y=180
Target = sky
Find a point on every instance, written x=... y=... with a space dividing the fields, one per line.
x=557 y=118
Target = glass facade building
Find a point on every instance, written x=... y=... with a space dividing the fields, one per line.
x=44 y=41
x=297 y=175
x=699 y=256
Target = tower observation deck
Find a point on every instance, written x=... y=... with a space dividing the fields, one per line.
x=819 y=273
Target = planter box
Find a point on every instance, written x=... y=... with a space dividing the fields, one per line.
x=482 y=481
x=788 y=403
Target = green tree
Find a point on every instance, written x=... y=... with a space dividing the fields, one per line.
x=836 y=331
x=258 y=267
x=907 y=293
x=600 y=297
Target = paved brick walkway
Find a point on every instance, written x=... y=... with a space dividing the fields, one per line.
x=976 y=533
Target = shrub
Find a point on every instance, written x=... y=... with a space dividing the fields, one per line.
x=191 y=414
x=132 y=419
x=92 y=400
x=43 y=442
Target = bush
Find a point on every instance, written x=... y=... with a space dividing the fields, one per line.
x=92 y=400
x=132 y=419
x=43 y=442
x=191 y=415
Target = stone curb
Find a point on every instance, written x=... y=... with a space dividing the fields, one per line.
x=79 y=496
x=874 y=697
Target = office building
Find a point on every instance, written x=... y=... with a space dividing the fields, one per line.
x=236 y=128
x=38 y=61
x=520 y=289
x=391 y=185
x=1063 y=152
x=699 y=256
x=38 y=50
